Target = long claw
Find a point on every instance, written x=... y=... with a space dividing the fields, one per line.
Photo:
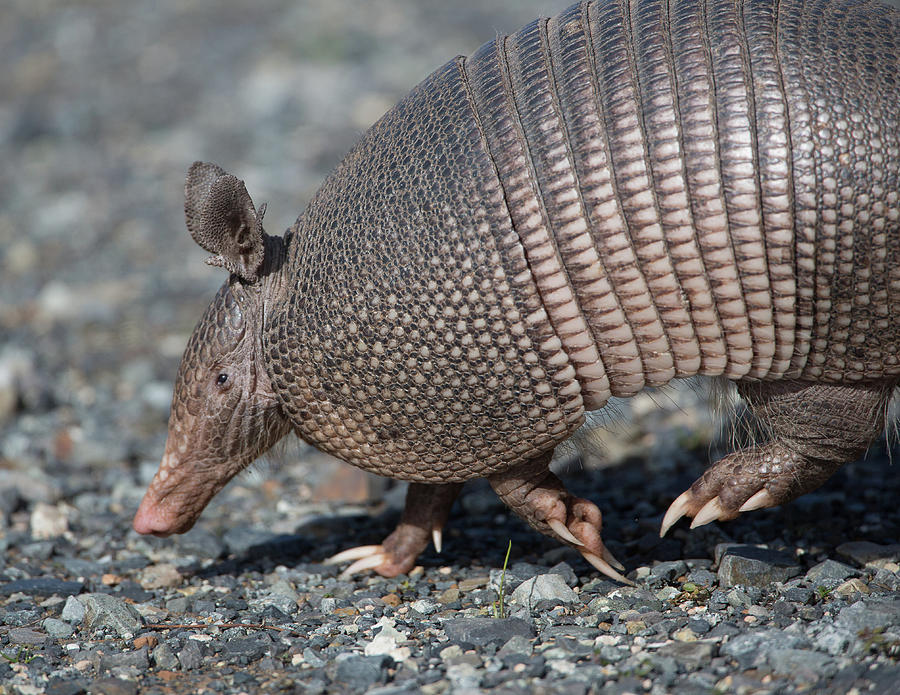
x=710 y=511
x=611 y=559
x=559 y=528
x=676 y=510
x=604 y=567
x=365 y=563
x=761 y=499
x=353 y=554
x=436 y=538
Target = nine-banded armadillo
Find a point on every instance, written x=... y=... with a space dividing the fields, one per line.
x=626 y=194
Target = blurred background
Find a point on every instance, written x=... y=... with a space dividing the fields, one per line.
x=103 y=106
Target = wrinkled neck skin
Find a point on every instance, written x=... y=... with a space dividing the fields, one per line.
x=224 y=411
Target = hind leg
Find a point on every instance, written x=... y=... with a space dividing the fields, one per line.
x=814 y=429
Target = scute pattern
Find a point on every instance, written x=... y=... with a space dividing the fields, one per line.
x=843 y=94
x=631 y=192
x=414 y=343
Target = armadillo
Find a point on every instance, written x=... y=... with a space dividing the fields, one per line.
x=628 y=193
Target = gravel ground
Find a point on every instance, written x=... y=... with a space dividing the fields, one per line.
x=104 y=105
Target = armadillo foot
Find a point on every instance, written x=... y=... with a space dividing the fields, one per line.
x=426 y=512
x=815 y=429
x=540 y=499
x=759 y=477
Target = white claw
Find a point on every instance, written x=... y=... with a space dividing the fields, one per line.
x=710 y=511
x=605 y=568
x=675 y=511
x=559 y=528
x=436 y=538
x=365 y=563
x=760 y=500
x=611 y=559
x=353 y=554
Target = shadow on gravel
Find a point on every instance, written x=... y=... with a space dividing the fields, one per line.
x=633 y=497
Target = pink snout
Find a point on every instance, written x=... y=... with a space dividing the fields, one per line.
x=153 y=518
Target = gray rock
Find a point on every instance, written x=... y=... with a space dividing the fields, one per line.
x=613 y=653
x=39 y=550
x=885 y=580
x=518 y=644
x=137 y=659
x=699 y=626
x=864 y=552
x=564 y=570
x=871 y=614
x=667 y=571
x=702 y=577
x=835 y=640
x=248 y=649
x=544 y=587
x=360 y=672
x=179 y=604
x=73 y=611
x=802 y=664
x=21 y=618
x=57 y=629
x=425 y=606
x=112 y=686
x=280 y=602
x=68 y=686
x=753 y=566
x=738 y=598
x=482 y=631
x=463 y=677
x=281 y=590
x=884 y=679
x=692 y=655
x=753 y=648
x=783 y=608
x=79 y=567
x=643 y=599
x=190 y=655
x=42 y=586
x=311 y=657
x=409 y=688
x=523 y=571
x=24 y=635
x=164 y=657
x=665 y=666
x=102 y=611
x=830 y=571
x=797 y=594
x=31 y=488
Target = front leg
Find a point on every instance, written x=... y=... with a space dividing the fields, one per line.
x=427 y=510
x=539 y=498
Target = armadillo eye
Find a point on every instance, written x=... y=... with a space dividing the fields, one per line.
x=222 y=378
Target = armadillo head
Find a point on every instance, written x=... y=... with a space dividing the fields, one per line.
x=224 y=411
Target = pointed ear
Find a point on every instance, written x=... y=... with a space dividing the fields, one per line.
x=221 y=218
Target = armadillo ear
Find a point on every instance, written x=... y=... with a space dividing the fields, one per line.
x=222 y=219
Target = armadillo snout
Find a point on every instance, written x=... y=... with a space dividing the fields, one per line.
x=171 y=504
x=153 y=518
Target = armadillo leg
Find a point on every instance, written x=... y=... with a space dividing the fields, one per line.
x=427 y=510
x=814 y=429
x=539 y=498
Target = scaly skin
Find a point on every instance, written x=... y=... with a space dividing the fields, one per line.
x=625 y=194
